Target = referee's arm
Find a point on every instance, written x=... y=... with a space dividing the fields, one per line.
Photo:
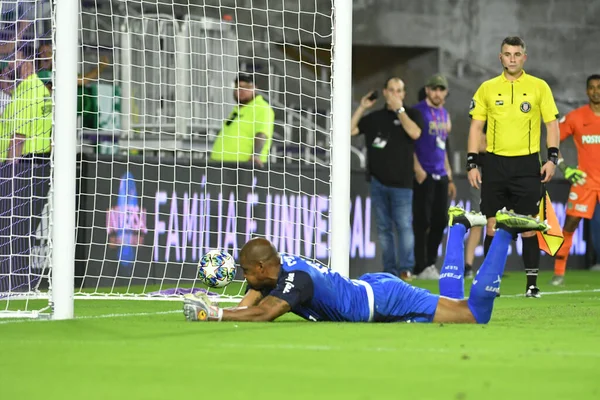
x=552 y=134
x=475 y=133
x=478 y=113
x=552 y=142
x=15 y=149
x=550 y=116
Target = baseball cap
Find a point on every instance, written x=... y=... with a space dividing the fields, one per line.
x=45 y=76
x=245 y=77
x=437 y=80
x=3 y=64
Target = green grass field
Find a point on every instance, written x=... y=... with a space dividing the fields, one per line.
x=546 y=348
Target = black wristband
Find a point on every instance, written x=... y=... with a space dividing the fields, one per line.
x=553 y=154
x=472 y=161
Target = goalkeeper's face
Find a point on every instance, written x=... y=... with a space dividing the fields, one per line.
x=260 y=263
x=593 y=91
x=260 y=274
x=255 y=275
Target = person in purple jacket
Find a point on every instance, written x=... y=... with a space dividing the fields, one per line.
x=433 y=178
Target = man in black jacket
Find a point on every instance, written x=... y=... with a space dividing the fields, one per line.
x=390 y=133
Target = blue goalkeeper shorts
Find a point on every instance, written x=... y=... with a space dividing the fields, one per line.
x=397 y=301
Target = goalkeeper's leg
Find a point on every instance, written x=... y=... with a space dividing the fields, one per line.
x=581 y=204
x=486 y=283
x=453 y=270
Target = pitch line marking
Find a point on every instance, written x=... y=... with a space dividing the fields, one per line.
x=144 y=314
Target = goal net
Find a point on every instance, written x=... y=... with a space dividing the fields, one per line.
x=201 y=124
x=25 y=155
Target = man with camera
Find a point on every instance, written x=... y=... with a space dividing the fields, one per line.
x=390 y=133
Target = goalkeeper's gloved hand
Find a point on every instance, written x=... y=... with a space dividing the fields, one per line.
x=573 y=174
x=198 y=307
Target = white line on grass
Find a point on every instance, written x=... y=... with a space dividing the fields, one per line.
x=141 y=314
x=144 y=314
x=558 y=292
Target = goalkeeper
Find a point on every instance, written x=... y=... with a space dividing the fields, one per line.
x=279 y=284
x=584 y=125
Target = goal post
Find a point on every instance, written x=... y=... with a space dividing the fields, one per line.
x=341 y=102
x=156 y=110
x=65 y=148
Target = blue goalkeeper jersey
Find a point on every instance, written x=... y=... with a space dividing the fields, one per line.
x=316 y=293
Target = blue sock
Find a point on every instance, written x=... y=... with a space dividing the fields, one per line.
x=487 y=281
x=452 y=276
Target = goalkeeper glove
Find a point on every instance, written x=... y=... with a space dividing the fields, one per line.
x=573 y=174
x=198 y=307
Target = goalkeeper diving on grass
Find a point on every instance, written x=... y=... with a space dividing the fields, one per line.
x=282 y=283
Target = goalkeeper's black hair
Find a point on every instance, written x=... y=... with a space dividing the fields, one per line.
x=259 y=249
x=591 y=78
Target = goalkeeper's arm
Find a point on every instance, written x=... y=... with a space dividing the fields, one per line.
x=252 y=298
x=269 y=309
x=198 y=307
x=574 y=175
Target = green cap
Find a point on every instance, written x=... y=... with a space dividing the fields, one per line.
x=45 y=76
x=437 y=80
x=3 y=64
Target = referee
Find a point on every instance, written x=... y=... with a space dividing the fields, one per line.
x=25 y=147
x=513 y=104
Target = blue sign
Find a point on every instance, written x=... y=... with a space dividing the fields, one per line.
x=126 y=221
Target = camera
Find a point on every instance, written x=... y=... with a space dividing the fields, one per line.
x=373 y=95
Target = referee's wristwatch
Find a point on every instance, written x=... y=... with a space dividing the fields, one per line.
x=472 y=161
x=471 y=166
x=400 y=110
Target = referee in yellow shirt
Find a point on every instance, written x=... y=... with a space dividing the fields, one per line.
x=25 y=159
x=513 y=104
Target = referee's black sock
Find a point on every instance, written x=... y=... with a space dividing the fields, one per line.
x=531 y=259
x=487 y=242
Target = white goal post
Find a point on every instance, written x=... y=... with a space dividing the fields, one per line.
x=155 y=162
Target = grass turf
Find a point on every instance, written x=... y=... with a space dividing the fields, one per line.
x=545 y=348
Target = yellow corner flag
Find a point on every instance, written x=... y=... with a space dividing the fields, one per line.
x=552 y=240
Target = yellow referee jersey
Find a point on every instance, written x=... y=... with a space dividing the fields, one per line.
x=513 y=111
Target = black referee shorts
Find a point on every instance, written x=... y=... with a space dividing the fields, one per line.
x=511 y=182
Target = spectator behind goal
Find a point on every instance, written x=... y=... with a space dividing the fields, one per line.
x=246 y=135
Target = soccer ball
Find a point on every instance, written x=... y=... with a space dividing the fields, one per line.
x=216 y=268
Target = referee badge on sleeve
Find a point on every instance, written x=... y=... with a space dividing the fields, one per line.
x=525 y=106
x=472 y=105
